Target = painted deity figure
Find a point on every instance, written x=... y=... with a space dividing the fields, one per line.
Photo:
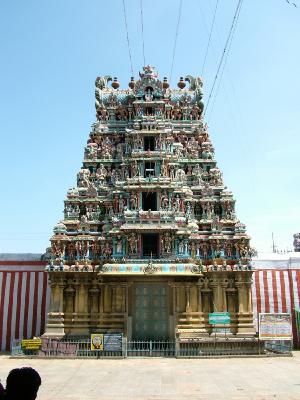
x=181 y=247
x=121 y=204
x=119 y=246
x=164 y=169
x=180 y=175
x=228 y=249
x=101 y=174
x=164 y=201
x=82 y=248
x=204 y=249
x=95 y=248
x=83 y=177
x=71 y=250
x=216 y=223
x=148 y=95
x=134 y=169
x=198 y=250
x=132 y=241
x=217 y=248
x=58 y=248
x=177 y=203
x=138 y=143
x=188 y=209
x=193 y=249
x=133 y=201
x=116 y=204
x=166 y=243
x=172 y=172
x=106 y=250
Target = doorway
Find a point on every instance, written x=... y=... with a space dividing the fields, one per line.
x=150 y=245
x=149 y=170
x=149 y=143
x=149 y=201
x=150 y=312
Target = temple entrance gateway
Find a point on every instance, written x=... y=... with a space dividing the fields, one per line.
x=150 y=243
x=150 y=312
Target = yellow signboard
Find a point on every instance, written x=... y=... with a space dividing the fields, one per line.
x=97 y=341
x=31 y=344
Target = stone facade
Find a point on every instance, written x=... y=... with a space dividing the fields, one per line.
x=150 y=243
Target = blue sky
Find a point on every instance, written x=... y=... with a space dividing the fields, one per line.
x=51 y=53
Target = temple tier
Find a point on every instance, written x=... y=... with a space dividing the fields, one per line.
x=150 y=243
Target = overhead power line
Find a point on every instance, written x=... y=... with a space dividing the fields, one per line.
x=209 y=38
x=127 y=36
x=291 y=3
x=224 y=65
x=142 y=23
x=226 y=49
x=175 y=40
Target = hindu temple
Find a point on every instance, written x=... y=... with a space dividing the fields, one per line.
x=150 y=243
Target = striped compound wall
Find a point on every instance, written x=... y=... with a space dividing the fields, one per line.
x=24 y=300
x=24 y=294
x=277 y=290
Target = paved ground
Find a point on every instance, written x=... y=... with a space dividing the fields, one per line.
x=165 y=379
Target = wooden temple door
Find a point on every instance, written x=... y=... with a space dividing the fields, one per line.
x=150 y=312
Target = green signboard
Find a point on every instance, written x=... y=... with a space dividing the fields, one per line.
x=219 y=318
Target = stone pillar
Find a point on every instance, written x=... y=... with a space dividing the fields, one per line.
x=82 y=314
x=248 y=285
x=245 y=317
x=113 y=298
x=241 y=295
x=53 y=296
x=177 y=288
x=101 y=307
x=200 y=309
x=200 y=286
x=70 y=293
x=76 y=287
x=61 y=298
x=216 y=288
x=124 y=297
x=94 y=305
x=55 y=323
x=224 y=285
x=187 y=298
x=94 y=296
x=232 y=300
x=231 y=303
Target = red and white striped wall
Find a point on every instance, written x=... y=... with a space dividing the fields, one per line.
x=24 y=300
x=276 y=291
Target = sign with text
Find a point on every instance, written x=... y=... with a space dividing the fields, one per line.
x=219 y=318
x=97 y=341
x=113 y=341
x=31 y=344
x=276 y=326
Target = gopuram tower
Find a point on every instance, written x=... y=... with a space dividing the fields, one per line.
x=150 y=243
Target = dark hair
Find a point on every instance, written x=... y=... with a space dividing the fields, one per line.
x=23 y=383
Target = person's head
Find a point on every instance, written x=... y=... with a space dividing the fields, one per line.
x=23 y=383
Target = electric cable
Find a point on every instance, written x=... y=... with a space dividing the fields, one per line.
x=236 y=14
x=175 y=41
x=127 y=36
x=224 y=64
x=209 y=38
x=142 y=23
